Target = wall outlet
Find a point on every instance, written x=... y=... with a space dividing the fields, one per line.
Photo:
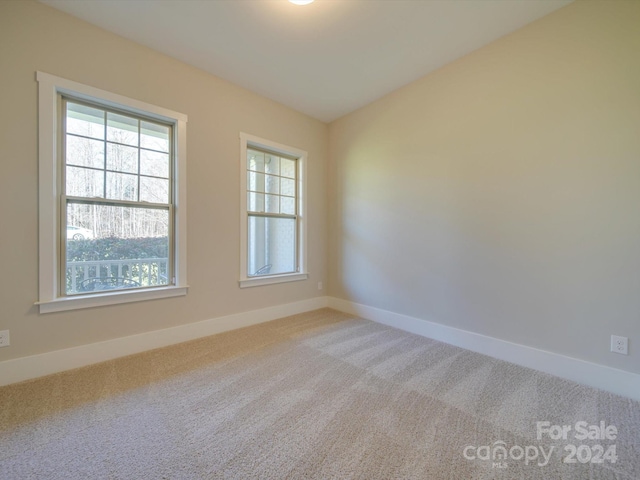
x=4 y=338
x=619 y=345
x=319 y=285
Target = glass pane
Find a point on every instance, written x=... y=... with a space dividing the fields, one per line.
x=121 y=247
x=272 y=164
x=154 y=136
x=255 y=202
x=255 y=160
x=122 y=129
x=84 y=152
x=86 y=121
x=84 y=182
x=272 y=184
x=272 y=246
x=154 y=164
x=121 y=186
x=288 y=187
x=154 y=190
x=255 y=181
x=288 y=205
x=121 y=158
x=272 y=204
x=287 y=168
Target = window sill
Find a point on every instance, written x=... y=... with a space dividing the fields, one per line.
x=110 y=298
x=269 y=280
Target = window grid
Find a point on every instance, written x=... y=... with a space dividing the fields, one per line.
x=280 y=195
x=105 y=141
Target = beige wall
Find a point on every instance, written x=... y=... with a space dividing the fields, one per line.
x=501 y=194
x=36 y=37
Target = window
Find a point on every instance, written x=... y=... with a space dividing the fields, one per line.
x=112 y=198
x=273 y=226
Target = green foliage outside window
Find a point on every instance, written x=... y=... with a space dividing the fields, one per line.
x=114 y=249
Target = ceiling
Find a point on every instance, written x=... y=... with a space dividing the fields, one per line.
x=325 y=59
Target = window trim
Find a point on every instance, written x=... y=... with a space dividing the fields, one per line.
x=50 y=88
x=248 y=141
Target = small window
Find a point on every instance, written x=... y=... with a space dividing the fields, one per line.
x=116 y=169
x=273 y=210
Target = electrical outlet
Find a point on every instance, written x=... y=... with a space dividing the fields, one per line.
x=619 y=345
x=319 y=285
x=4 y=338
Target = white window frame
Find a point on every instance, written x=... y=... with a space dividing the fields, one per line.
x=249 y=141
x=50 y=89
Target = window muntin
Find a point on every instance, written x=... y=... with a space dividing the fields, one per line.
x=272 y=213
x=116 y=188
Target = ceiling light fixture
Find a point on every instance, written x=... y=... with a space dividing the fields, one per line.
x=301 y=2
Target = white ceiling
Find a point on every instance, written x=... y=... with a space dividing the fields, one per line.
x=325 y=59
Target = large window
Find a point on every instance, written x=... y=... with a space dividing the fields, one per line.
x=114 y=168
x=273 y=212
x=116 y=199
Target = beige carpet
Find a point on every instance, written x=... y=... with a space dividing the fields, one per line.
x=318 y=395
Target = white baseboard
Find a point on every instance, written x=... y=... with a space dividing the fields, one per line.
x=595 y=375
x=25 y=368
x=599 y=376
